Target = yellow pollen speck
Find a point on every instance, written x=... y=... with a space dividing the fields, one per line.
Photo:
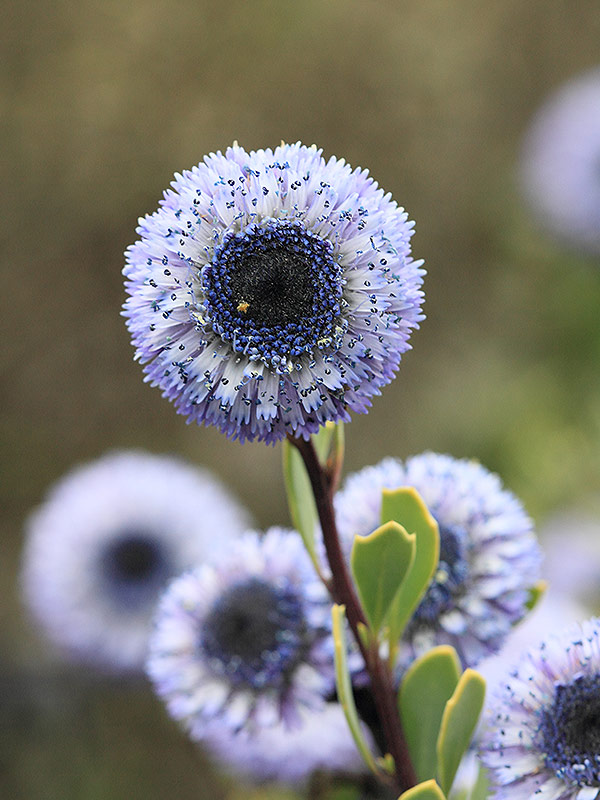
x=243 y=306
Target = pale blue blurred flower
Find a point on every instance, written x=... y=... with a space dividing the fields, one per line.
x=105 y=542
x=560 y=162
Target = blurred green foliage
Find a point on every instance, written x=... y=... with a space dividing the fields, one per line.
x=101 y=103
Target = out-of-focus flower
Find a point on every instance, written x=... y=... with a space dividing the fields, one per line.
x=272 y=291
x=489 y=556
x=544 y=737
x=321 y=741
x=571 y=541
x=244 y=639
x=560 y=162
x=106 y=541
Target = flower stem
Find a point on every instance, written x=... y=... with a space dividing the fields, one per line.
x=342 y=589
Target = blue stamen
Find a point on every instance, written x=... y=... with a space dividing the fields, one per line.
x=570 y=731
x=275 y=292
x=256 y=634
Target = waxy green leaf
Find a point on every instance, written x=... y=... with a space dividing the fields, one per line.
x=428 y=790
x=481 y=789
x=379 y=563
x=536 y=592
x=329 y=440
x=406 y=507
x=301 y=502
x=344 y=685
x=427 y=686
x=329 y=447
x=458 y=725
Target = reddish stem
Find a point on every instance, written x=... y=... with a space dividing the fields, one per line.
x=343 y=592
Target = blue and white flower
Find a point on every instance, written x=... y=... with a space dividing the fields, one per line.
x=560 y=162
x=244 y=639
x=489 y=556
x=272 y=291
x=108 y=538
x=544 y=736
x=320 y=742
x=553 y=611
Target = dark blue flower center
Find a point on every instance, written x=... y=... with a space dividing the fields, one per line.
x=134 y=566
x=274 y=291
x=449 y=578
x=570 y=731
x=256 y=634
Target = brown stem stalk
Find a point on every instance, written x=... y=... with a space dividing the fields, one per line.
x=343 y=592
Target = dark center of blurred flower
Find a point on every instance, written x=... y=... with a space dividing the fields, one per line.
x=255 y=634
x=570 y=731
x=135 y=567
x=274 y=291
x=448 y=580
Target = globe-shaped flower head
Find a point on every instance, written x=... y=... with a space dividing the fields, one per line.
x=272 y=291
x=489 y=556
x=243 y=639
x=560 y=163
x=544 y=736
x=106 y=541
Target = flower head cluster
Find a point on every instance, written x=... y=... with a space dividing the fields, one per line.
x=243 y=639
x=106 y=541
x=489 y=556
x=272 y=291
x=544 y=739
x=560 y=162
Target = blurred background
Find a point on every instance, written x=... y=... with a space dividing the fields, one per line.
x=102 y=102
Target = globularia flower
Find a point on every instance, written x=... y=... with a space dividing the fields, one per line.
x=106 y=541
x=272 y=291
x=554 y=610
x=321 y=741
x=544 y=738
x=243 y=639
x=489 y=556
x=560 y=162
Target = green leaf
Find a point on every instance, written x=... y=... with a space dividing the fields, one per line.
x=406 y=507
x=329 y=447
x=428 y=790
x=323 y=440
x=301 y=502
x=458 y=724
x=387 y=763
x=426 y=688
x=366 y=637
x=536 y=592
x=481 y=789
x=379 y=563
x=344 y=685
